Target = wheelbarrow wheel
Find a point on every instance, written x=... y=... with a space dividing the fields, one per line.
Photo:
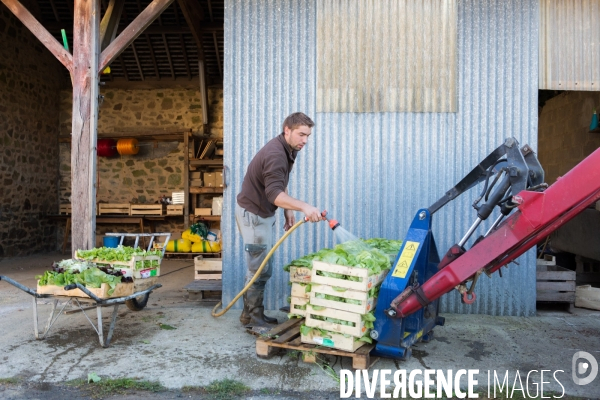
x=137 y=303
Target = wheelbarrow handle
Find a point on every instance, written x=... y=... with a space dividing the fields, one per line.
x=71 y=286
x=19 y=286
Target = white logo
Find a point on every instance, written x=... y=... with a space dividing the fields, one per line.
x=582 y=368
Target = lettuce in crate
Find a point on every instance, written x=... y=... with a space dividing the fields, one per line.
x=375 y=255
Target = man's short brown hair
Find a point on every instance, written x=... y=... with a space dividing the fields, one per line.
x=297 y=119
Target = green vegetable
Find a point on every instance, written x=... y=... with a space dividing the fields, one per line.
x=374 y=255
x=91 y=277
x=120 y=253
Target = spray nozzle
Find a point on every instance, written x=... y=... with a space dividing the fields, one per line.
x=333 y=224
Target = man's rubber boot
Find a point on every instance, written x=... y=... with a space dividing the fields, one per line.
x=245 y=316
x=253 y=299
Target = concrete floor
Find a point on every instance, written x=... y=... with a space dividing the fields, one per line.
x=203 y=349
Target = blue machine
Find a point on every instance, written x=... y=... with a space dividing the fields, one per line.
x=417 y=261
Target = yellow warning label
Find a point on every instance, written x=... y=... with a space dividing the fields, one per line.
x=406 y=258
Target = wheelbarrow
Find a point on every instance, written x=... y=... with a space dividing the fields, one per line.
x=136 y=302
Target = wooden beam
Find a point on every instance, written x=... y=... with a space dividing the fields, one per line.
x=185 y=57
x=40 y=32
x=137 y=61
x=203 y=93
x=135 y=28
x=54 y=10
x=54 y=27
x=123 y=67
x=156 y=73
x=110 y=22
x=164 y=37
x=86 y=28
x=217 y=54
x=193 y=16
x=154 y=83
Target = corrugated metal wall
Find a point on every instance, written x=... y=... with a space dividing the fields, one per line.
x=373 y=171
x=569 y=49
x=386 y=55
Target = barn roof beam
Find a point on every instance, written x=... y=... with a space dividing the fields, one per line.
x=135 y=28
x=40 y=32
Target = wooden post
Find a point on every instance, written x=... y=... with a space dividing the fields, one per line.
x=85 y=121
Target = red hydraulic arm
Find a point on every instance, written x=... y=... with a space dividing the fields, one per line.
x=538 y=215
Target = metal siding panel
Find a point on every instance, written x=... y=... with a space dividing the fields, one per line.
x=373 y=171
x=569 y=45
x=364 y=66
x=269 y=73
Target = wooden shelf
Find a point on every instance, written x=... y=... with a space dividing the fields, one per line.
x=205 y=217
x=205 y=190
x=194 y=162
x=140 y=136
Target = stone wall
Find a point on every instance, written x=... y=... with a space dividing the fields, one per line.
x=157 y=169
x=30 y=80
x=563 y=137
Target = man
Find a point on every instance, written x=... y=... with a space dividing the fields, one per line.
x=264 y=189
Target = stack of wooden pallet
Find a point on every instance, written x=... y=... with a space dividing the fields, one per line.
x=321 y=311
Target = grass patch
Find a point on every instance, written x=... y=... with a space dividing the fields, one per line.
x=110 y=387
x=226 y=389
x=8 y=381
x=190 y=389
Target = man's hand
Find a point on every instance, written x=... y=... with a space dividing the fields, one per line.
x=312 y=214
x=290 y=220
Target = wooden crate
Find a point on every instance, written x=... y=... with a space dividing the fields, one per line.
x=366 y=305
x=300 y=274
x=299 y=290
x=357 y=330
x=175 y=209
x=204 y=275
x=121 y=290
x=287 y=336
x=334 y=340
x=366 y=283
x=129 y=267
x=147 y=209
x=202 y=263
x=64 y=209
x=555 y=284
x=298 y=305
x=203 y=211
x=113 y=208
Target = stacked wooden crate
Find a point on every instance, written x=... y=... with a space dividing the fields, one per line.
x=340 y=336
x=554 y=283
x=300 y=278
x=208 y=268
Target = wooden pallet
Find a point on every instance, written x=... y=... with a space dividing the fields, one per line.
x=207 y=290
x=287 y=336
